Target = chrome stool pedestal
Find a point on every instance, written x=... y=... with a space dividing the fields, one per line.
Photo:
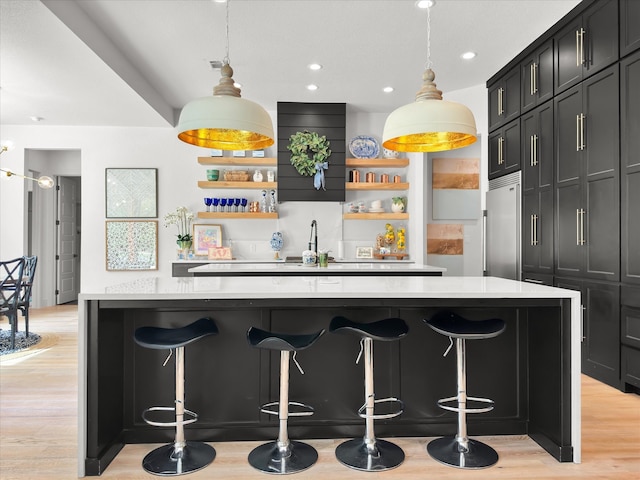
x=181 y=456
x=283 y=456
x=370 y=454
x=461 y=451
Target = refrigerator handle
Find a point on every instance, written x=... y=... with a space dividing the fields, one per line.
x=484 y=243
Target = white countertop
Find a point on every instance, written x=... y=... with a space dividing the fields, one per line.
x=374 y=267
x=371 y=286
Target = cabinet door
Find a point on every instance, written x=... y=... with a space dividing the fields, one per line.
x=511 y=96
x=569 y=232
x=530 y=252
x=601 y=330
x=629 y=26
x=495 y=162
x=601 y=164
x=536 y=77
x=529 y=139
x=567 y=56
x=495 y=117
x=630 y=162
x=511 y=147
x=601 y=39
x=567 y=109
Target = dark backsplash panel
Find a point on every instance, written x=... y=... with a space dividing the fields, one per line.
x=327 y=119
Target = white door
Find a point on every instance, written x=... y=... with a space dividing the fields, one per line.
x=66 y=241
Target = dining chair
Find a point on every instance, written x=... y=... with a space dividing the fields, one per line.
x=11 y=277
x=27 y=285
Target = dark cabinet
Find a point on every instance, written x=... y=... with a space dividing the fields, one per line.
x=586 y=45
x=630 y=337
x=536 y=77
x=630 y=164
x=587 y=178
x=504 y=150
x=600 y=328
x=537 y=200
x=504 y=99
x=629 y=26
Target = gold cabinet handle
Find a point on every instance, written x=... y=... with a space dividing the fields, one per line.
x=580 y=46
x=577 y=226
x=500 y=101
x=534 y=143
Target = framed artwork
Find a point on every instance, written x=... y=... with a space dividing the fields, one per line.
x=206 y=236
x=364 y=252
x=131 y=192
x=132 y=244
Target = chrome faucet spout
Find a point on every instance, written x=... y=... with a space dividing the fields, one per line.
x=314 y=237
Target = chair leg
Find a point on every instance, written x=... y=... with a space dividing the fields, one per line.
x=283 y=456
x=460 y=450
x=180 y=457
x=368 y=453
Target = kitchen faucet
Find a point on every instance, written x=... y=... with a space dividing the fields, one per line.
x=314 y=236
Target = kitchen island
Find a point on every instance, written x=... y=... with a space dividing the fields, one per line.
x=531 y=371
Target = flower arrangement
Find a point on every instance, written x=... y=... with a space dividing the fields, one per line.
x=182 y=218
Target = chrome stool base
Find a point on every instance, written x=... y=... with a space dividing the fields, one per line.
x=165 y=461
x=383 y=456
x=268 y=458
x=448 y=451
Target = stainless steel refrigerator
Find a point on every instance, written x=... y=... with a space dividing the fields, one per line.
x=502 y=228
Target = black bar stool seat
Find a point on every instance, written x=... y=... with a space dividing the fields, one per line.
x=459 y=450
x=369 y=453
x=283 y=456
x=181 y=456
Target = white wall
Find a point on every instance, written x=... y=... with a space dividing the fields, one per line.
x=178 y=172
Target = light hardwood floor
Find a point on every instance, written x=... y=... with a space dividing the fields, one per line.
x=38 y=429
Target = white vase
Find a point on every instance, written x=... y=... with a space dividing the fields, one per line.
x=257 y=176
x=397 y=207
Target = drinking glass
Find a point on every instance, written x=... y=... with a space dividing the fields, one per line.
x=243 y=202
x=208 y=201
x=223 y=203
x=229 y=204
x=216 y=202
x=236 y=204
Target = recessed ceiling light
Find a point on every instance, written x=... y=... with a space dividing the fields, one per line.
x=315 y=66
x=312 y=87
x=387 y=89
x=468 y=55
x=425 y=3
x=36 y=119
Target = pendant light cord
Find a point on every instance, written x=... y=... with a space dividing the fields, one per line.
x=226 y=57
x=429 y=63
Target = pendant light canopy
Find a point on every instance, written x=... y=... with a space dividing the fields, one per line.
x=225 y=121
x=430 y=124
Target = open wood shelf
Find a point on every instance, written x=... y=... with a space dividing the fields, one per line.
x=377 y=186
x=258 y=161
x=246 y=215
x=376 y=216
x=249 y=184
x=377 y=162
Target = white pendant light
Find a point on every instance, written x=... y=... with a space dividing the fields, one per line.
x=225 y=121
x=429 y=124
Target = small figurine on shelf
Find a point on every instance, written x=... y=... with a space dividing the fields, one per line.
x=263 y=202
x=276 y=244
x=272 y=201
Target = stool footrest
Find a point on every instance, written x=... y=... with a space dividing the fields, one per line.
x=382 y=416
x=193 y=415
x=443 y=401
x=306 y=410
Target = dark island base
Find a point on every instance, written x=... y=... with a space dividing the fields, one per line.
x=525 y=371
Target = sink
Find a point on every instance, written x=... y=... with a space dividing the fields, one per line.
x=289 y=259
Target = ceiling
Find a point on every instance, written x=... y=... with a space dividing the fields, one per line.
x=137 y=62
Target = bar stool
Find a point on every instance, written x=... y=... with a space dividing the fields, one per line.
x=283 y=456
x=459 y=450
x=180 y=457
x=368 y=453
